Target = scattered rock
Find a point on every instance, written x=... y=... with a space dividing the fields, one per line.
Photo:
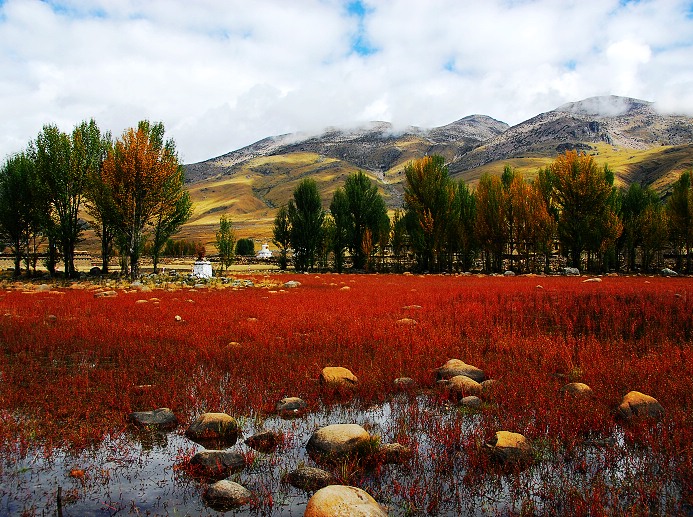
x=489 y=385
x=138 y=302
x=226 y=495
x=509 y=273
x=95 y=271
x=345 y=288
x=265 y=441
x=571 y=271
x=213 y=427
x=309 y=478
x=669 y=272
x=291 y=284
x=510 y=449
x=405 y=383
x=291 y=407
x=456 y=367
x=462 y=386
x=162 y=418
x=212 y=464
x=337 y=440
x=407 y=321
x=337 y=376
x=105 y=294
x=638 y=405
x=471 y=401
x=595 y=279
x=394 y=453
x=177 y=318
x=577 y=389
x=340 y=500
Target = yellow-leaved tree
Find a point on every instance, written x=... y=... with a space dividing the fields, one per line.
x=145 y=180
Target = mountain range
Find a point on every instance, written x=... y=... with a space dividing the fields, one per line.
x=639 y=143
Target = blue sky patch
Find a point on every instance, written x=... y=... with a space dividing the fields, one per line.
x=359 y=41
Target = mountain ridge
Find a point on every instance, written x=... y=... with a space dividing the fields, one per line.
x=629 y=134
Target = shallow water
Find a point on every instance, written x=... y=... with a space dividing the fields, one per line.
x=137 y=473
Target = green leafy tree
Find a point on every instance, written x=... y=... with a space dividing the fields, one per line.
x=634 y=203
x=428 y=195
x=170 y=218
x=18 y=208
x=281 y=232
x=245 y=248
x=225 y=240
x=584 y=196
x=366 y=213
x=398 y=238
x=679 y=208
x=306 y=216
x=63 y=164
x=491 y=224
x=341 y=217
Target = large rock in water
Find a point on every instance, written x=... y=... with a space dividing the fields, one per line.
x=216 y=464
x=265 y=441
x=638 y=405
x=337 y=376
x=343 y=501
x=456 y=367
x=226 y=495
x=336 y=441
x=162 y=418
x=510 y=449
x=214 y=427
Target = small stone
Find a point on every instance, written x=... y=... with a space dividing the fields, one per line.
x=407 y=321
x=213 y=464
x=577 y=389
x=265 y=441
x=405 y=383
x=638 y=405
x=309 y=478
x=213 y=427
x=336 y=441
x=457 y=367
x=509 y=273
x=162 y=418
x=411 y=307
x=463 y=386
x=226 y=495
x=669 y=272
x=339 y=500
x=592 y=280
x=291 y=407
x=106 y=294
x=571 y=271
x=141 y=301
x=336 y=376
x=471 y=401
x=292 y=284
x=177 y=318
x=510 y=449
x=394 y=453
x=345 y=288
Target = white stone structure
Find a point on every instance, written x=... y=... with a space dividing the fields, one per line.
x=202 y=269
x=264 y=253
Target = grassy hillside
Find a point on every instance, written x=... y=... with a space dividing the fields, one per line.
x=251 y=195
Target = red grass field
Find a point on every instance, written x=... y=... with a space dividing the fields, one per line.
x=72 y=367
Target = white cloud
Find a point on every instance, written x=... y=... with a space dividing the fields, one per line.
x=223 y=74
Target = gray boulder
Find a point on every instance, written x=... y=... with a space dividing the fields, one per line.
x=162 y=418
x=216 y=464
x=309 y=478
x=226 y=495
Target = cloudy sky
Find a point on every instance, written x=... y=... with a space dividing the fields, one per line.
x=222 y=74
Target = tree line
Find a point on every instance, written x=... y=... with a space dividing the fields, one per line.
x=131 y=187
x=571 y=209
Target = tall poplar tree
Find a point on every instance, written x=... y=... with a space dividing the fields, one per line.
x=145 y=179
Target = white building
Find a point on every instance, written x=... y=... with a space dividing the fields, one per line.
x=264 y=253
x=202 y=269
